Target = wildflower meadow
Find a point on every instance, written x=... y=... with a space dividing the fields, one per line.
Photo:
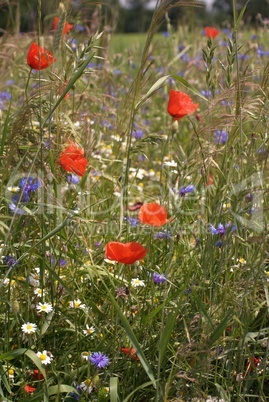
x=134 y=211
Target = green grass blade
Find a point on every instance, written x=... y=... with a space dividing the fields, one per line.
x=113 y=389
x=220 y=328
x=161 y=82
x=165 y=335
x=145 y=385
x=69 y=85
x=61 y=388
x=4 y=132
x=132 y=337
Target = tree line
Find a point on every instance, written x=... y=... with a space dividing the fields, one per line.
x=21 y=15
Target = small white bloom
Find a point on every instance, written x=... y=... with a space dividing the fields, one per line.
x=11 y=375
x=45 y=357
x=77 y=304
x=85 y=356
x=86 y=386
x=29 y=328
x=136 y=282
x=34 y=278
x=46 y=307
x=88 y=330
x=40 y=292
x=171 y=163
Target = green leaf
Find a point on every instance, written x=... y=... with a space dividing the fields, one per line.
x=13 y=354
x=32 y=356
x=113 y=389
x=46 y=324
x=145 y=385
x=61 y=388
x=220 y=328
x=4 y=379
x=165 y=335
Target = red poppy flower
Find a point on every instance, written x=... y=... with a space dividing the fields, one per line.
x=126 y=253
x=72 y=159
x=251 y=364
x=37 y=375
x=130 y=352
x=211 y=32
x=67 y=27
x=29 y=389
x=153 y=214
x=210 y=180
x=180 y=104
x=39 y=58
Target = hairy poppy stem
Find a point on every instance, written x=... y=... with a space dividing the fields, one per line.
x=27 y=84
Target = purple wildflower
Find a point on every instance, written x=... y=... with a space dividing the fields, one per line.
x=220 y=137
x=73 y=178
x=159 y=278
x=100 y=360
x=219 y=230
x=15 y=209
x=137 y=134
x=222 y=229
x=162 y=235
x=29 y=184
x=10 y=261
x=187 y=189
x=132 y=221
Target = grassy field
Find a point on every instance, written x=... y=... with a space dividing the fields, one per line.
x=134 y=209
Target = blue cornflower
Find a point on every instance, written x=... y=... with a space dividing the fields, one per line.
x=73 y=178
x=220 y=137
x=74 y=396
x=79 y=28
x=20 y=197
x=207 y=93
x=99 y=359
x=159 y=278
x=187 y=291
x=222 y=229
x=137 y=134
x=132 y=221
x=262 y=52
x=15 y=209
x=190 y=188
x=4 y=96
x=10 y=260
x=162 y=235
x=29 y=184
x=218 y=244
x=62 y=262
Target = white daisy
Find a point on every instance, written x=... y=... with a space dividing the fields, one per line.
x=45 y=357
x=85 y=355
x=40 y=292
x=86 y=386
x=88 y=330
x=77 y=304
x=46 y=307
x=136 y=282
x=29 y=328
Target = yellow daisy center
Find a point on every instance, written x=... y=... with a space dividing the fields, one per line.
x=43 y=356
